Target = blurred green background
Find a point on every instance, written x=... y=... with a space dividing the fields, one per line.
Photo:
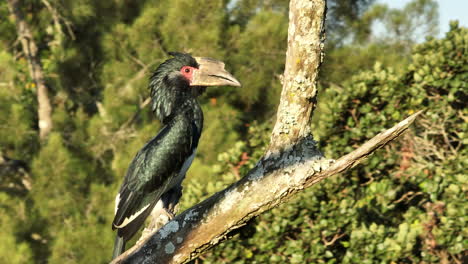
x=405 y=204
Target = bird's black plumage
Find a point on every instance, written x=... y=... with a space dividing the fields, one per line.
x=156 y=172
x=156 y=168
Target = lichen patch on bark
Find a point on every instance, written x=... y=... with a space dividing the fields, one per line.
x=169 y=248
x=171 y=227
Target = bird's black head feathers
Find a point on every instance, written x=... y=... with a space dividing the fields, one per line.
x=173 y=64
x=168 y=88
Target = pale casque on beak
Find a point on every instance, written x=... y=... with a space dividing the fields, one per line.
x=211 y=72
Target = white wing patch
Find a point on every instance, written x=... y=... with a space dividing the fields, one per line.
x=158 y=207
x=127 y=220
x=117 y=201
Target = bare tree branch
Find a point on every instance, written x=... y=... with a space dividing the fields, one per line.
x=291 y=163
x=58 y=18
x=30 y=50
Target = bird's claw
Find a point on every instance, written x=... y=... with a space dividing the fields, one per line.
x=157 y=221
x=322 y=164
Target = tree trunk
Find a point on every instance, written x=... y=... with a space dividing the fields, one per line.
x=44 y=108
x=306 y=35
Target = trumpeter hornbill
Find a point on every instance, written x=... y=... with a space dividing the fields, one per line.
x=154 y=177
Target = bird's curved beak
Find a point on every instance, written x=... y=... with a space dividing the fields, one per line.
x=211 y=72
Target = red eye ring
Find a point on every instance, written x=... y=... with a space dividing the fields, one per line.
x=187 y=72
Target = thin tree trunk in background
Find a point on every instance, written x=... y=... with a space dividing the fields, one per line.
x=44 y=108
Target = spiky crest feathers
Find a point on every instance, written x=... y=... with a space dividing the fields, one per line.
x=168 y=88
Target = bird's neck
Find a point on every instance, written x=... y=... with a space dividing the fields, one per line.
x=191 y=110
x=173 y=100
x=185 y=110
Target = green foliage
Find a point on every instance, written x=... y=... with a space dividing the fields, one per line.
x=345 y=14
x=269 y=57
x=403 y=28
x=13 y=215
x=360 y=57
x=17 y=105
x=219 y=116
x=181 y=29
x=59 y=181
x=85 y=238
x=415 y=21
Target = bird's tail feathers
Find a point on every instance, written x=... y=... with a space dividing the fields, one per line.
x=119 y=246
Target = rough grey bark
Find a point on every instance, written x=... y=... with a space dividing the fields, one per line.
x=303 y=58
x=44 y=110
x=292 y=161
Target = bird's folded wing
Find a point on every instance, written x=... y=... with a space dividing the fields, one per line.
x=151 y=171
